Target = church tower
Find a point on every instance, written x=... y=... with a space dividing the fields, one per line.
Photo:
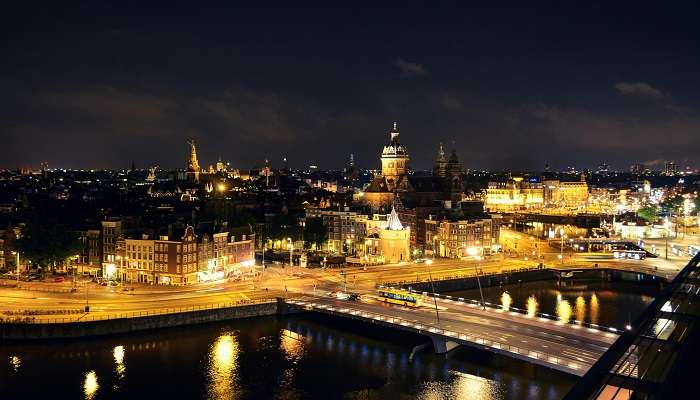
x=440 y=168
x=193 y=165
x=454 y=176
x=394 y=161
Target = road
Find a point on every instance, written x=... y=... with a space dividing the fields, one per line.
x=575 y=346
x=47 y=298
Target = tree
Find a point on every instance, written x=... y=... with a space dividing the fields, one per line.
x=46 y=244
x=283 y=226
x=245 y=218
x=315 y=232
x=648 y=213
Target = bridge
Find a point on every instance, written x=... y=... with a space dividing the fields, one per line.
x=657 y=358
x=566 y=347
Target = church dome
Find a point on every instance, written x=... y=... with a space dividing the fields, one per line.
x=395 y=148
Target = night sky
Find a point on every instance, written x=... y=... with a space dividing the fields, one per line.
x=102 y=84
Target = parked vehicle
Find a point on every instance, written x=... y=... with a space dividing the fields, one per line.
x=59 y=279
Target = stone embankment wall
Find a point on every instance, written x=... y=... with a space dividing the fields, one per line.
x=68 y=330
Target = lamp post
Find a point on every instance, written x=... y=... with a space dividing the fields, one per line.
x=263 y=258
x=126 y=271
x=561 y=248
x=291 y=253
x=87 y=302
x=472 y=251
x=429 y=262
x=119 y=269
x=16 y=253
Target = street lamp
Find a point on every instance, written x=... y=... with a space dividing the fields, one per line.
x=16 y=253
x=291 y=249
x=472 y=251
x=561 y=248
x=119 y=261
x=429 y=262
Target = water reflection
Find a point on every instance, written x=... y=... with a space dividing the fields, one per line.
x=120 y=368
x=15 y=362
x=595 y=307
x=532 y=306
x=90 y=385
x=564 y=311
x=461 y=386
x=580 y=307
x=506 y=301
x=223 y=357
x=292 y=345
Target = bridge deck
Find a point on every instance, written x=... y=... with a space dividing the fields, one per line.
x=565 y=347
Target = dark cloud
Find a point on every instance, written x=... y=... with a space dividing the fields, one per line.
x=639 y=89
x=102 y=85
x=409 y=69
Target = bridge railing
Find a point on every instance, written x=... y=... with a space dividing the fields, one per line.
x=460 y=276
x=448 y=334
x=641 y=363
x=29 y=317
x=499 y=307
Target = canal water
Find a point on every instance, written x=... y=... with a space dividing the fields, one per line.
x=612 y=304
x=297 y=357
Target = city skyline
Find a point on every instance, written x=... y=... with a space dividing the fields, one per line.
x=513 y=89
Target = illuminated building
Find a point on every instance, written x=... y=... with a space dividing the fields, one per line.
x=220 y=167
x=394 y=240
x=345 y=229
x=111 y=232
x=566 y=194
x=513 y=196
x=670 y=168
x=176 y=258
x=138 y=260
x=453 y=231
x=637 y=169
x=240 y=249
x=393 y=178
x=193 y=168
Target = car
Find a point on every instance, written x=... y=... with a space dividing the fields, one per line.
x=113 y=284
x=59 y=279
x=32 y=277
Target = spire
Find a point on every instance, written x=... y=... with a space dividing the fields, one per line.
x=192 y=164
x=453 y=156
x=352 y=160
x=394 y=134
x=393 y=222
x=441 y=153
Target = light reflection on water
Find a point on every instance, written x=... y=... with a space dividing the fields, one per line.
x=459 y=385
x=120 y=368
x=590 y=301
x=223 y=358
x=16 y=362
x=90 y=385
x=292 y=358
x=595 y=309
x=563 y=310
x=506 y=300
x=532 y=306
x=580 y=309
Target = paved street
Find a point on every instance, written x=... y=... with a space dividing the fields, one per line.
x=576 y=347
x=47 y=300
